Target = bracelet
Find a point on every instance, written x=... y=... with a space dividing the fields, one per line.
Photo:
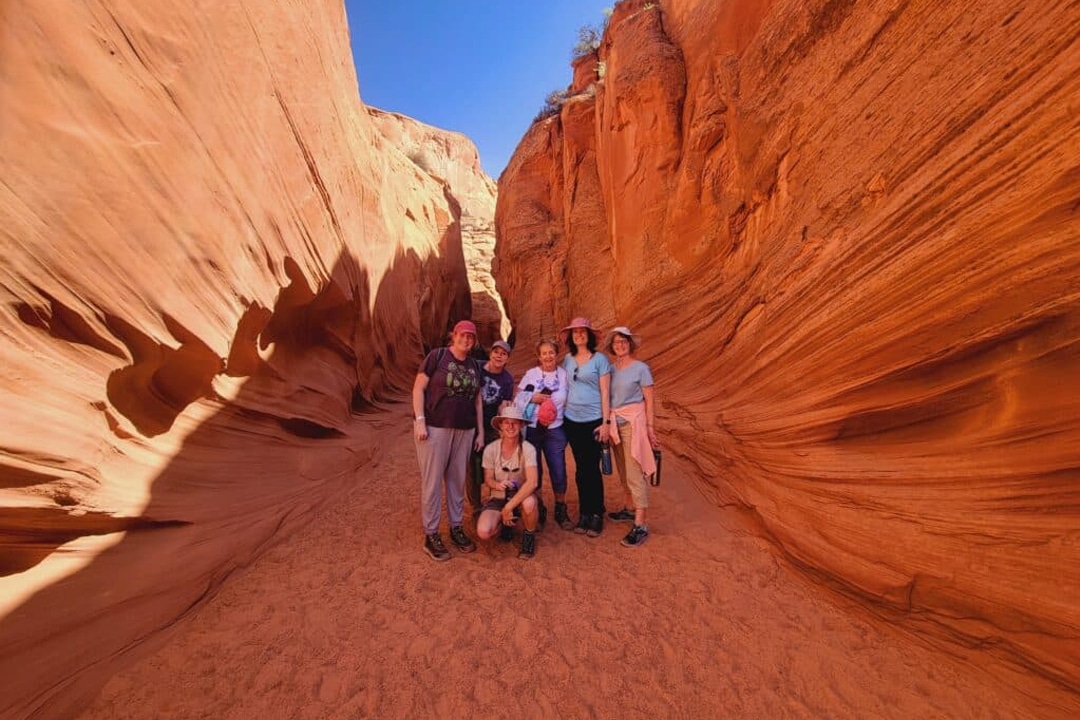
x=419 y=418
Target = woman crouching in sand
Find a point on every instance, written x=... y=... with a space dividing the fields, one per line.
x=511 y=478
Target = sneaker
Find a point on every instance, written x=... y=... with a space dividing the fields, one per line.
x=528 y=545
x=461 y=540
x=624 y=515
x=636 y=537
x=562 y=516
x=596 y=526
x=582 y=524
x=433 y=546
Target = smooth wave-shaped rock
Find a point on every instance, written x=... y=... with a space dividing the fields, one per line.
x=214 y=262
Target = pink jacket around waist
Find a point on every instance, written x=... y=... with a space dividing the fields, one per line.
x=640 y=447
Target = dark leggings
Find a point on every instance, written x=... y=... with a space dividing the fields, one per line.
x=590 y=483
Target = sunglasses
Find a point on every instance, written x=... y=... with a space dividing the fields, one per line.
x=575 y=374
x=510 y=470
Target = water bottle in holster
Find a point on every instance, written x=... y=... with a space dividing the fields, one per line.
x=510 y=492
x=605 y=457
x=654 y=479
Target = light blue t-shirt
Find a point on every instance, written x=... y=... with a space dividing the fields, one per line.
x=626 y=384
x=583 y=400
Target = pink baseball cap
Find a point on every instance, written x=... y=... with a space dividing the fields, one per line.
x=465 y=326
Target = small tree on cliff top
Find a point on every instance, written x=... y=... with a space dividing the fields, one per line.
x=588 y=41
x=552 y=104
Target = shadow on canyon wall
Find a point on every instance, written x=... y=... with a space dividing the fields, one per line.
x=244 y=478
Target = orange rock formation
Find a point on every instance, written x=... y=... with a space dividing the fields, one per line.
x=847 y=231
x=849 y=234
x=213 y=258
x=452 y=158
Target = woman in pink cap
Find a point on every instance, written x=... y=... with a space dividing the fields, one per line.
x=586 y=407
x=447 y=411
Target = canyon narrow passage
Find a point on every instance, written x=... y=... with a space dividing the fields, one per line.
x=347 y=618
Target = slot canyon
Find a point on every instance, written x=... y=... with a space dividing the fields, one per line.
x=848 y=232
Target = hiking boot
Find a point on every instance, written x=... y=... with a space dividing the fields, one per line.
x=528 y=545
x=636 y=537
x=596 y=526
x=582 y=524
x=562 y=516
x=461 y=540
x=506 y=533
x=433 y=546
x=624 y=515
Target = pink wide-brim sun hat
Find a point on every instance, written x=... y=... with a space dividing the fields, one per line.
x=579 y=322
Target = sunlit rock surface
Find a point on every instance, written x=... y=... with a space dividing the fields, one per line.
x=452 y=158
x=850 y=235
x=213 y=261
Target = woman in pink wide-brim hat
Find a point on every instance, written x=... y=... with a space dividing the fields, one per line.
x=587 y=405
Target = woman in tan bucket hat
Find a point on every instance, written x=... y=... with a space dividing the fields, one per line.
x=511 y=478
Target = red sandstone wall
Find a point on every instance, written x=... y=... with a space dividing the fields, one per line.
x=849 y=235
x=213 y=263
x=451 y=157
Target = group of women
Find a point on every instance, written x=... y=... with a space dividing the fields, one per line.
x=587 y=401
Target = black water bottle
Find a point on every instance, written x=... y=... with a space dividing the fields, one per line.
x=655 y=479
x=605 y=457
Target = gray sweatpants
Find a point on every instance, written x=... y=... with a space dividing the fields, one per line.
x=443 y=458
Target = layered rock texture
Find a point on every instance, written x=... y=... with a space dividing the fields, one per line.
x=452 y=159
x=214 y=260
x=850 y=235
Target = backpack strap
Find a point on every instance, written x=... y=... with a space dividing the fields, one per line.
x=475 y=364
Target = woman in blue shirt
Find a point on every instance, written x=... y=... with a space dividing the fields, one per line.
x=586 y=408
x=633 y=408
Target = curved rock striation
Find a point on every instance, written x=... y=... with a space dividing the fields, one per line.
x=849 y=235
x=214 y=262
x=452 y=158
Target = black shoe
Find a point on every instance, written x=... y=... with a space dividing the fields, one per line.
x=562 y=516
x=636 y=537
x=433 y=546
x=582 y=524
x=528 y=545
x=506 y=533
x=461 y=540
x=596 y=526
x=624 y=515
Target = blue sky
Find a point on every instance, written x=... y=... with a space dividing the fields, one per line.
x=480 y=67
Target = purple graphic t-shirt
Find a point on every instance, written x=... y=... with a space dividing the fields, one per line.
x=450 y=399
